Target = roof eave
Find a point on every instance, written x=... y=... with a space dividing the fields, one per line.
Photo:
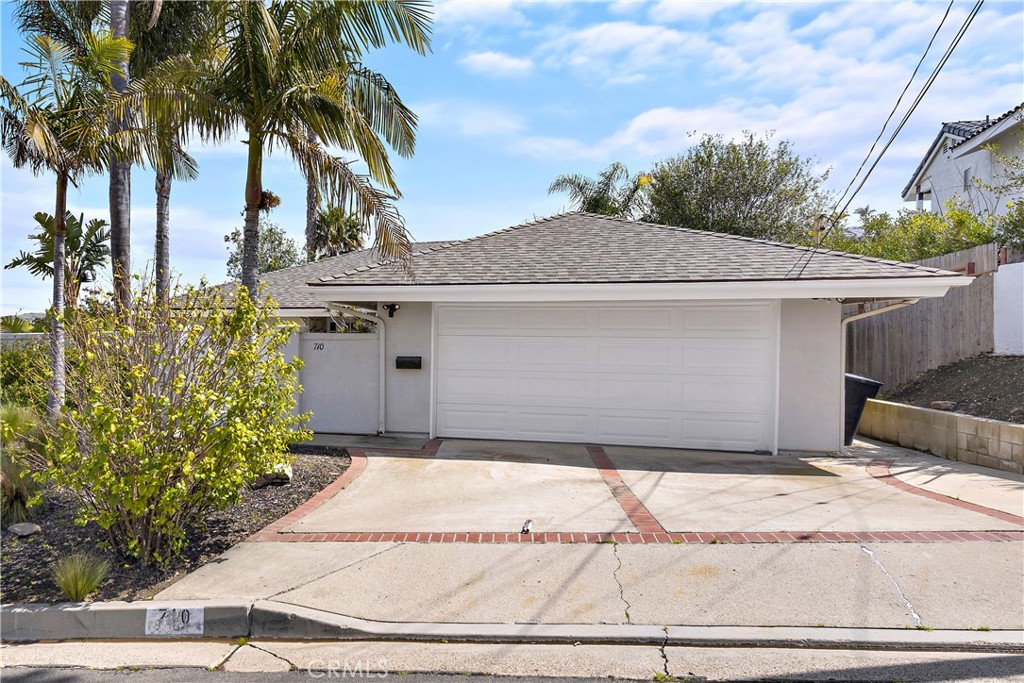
x=908 y=287
x=983 y=137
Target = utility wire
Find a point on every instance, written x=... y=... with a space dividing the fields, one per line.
x=837 y=215
x=896 y=106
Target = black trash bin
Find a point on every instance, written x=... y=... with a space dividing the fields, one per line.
x=858 y=391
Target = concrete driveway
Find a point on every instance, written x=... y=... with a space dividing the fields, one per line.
x=647 y=536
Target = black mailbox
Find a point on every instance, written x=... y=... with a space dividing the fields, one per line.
x=409 y=362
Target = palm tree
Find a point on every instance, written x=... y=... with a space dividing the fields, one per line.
x=291 y=67
x=612 y=193
x=56 y=122
x=120 y=177
x=335 y=232
x=184 y=27
x=85 y=252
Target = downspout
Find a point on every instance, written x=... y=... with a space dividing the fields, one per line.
x=381 y=338
x=846 y=321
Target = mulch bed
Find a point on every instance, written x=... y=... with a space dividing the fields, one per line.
x=983 y=386
x=26 y=576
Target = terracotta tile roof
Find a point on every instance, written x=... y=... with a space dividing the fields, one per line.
x=588 y=248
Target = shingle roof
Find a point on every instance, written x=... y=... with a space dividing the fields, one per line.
x=581 y=248
x=288 y=286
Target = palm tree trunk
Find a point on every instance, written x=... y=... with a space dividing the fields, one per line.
x=163 y=236
x=312 y=204
x=120 y=182
x=55 y=398
x=251 y=232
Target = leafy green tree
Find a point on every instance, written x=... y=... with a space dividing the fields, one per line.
x=289 y=68
x=56 y=122
x=276 y=250
x=172 y=411
x=912 y=235
x=752 y=187
x=86 y=252
x=612 y=193
x=336 y=232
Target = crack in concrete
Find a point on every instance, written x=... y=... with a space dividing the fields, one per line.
x=664 y=655
x=218 y=665
x=615 y=577
x=333 y=571
x=290 y=664
x=910 y=607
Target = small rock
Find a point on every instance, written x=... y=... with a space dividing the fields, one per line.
x=943 y=405
x=23 y=529
x=279 y=476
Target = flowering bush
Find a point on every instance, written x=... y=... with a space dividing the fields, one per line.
x=172 y=409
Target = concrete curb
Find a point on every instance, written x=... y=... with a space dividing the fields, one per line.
x=125 y=620
x=271 y=619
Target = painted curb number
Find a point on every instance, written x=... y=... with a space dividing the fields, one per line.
x=175 y=621
x=318 y=346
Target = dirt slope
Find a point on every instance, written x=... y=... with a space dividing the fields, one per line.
x=985 y=386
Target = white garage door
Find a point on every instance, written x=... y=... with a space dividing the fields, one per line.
x=691 y=376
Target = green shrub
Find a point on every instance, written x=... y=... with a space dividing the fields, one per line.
x=21 y=435
x=171 y=411
x=80 y=574
x=23 y=373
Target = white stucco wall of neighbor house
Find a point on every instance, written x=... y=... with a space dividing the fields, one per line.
x=810 y=376
x=407 y=392
x=1008 y=286
x=955 y=172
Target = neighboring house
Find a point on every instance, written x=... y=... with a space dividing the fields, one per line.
x=957 y=161
x=585 y=328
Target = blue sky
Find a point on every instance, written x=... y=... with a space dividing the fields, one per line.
x=516 y=93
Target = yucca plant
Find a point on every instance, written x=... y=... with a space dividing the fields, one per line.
x=80 y=574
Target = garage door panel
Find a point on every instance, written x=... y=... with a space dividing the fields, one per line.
x=476 y=387
x=682 y=375
x=726 y=394
x=736 y=320
x=639 y=355
x=554 y=354
x=475 y=353
x=728 y=357
x=552 y=425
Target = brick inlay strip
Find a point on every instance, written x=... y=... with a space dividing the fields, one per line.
x=635 y=510
x=879 y=469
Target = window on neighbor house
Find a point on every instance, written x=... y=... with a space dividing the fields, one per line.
x=967 y=179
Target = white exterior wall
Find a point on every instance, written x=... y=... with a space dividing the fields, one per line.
x=810 y=376
x=407 y=392
x=945 y=177
x=1008 y=286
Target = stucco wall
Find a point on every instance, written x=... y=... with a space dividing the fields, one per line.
x=810 y=376
x=945 y=177
x=408 y=391
x=1008 y=323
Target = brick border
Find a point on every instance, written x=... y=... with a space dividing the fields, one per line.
x=879 y=469
x=635 y=510
x=649 y=530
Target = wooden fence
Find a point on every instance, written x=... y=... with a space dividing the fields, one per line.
x=897 y=346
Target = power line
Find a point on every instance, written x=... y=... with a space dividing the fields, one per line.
x=896 y=106
x=837 y=215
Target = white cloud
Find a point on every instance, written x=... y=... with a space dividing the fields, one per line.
x=497 y=64
x=622 y=51
x=471 y=119
x=688 y=10
x=479 y=12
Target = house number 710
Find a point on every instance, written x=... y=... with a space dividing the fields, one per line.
x=318 y=346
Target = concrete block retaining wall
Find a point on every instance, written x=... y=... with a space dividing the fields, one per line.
x=954 y=436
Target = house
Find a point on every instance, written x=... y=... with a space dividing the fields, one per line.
x=585 y=328
x=959 y=159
